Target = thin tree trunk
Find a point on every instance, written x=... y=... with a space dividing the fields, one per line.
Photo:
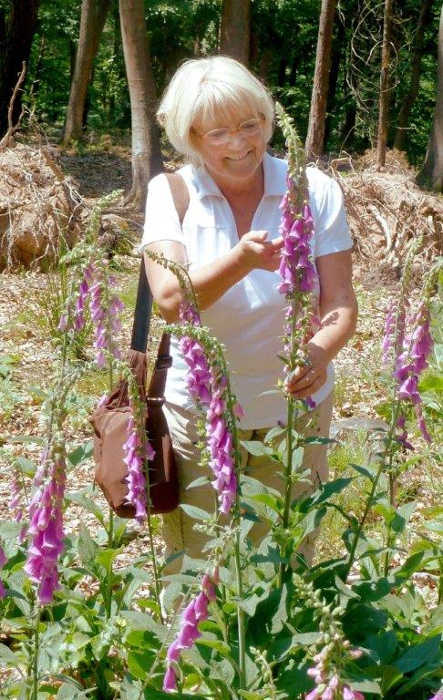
x=146 y=153
x=92 y=21
x=338 y=46
x=235 y=29
x=316 y=127
x=411 y=95
x=432 y=173
x=383 y=100
x=17 y=28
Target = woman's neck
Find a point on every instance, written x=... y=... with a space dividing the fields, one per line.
x=241 y=190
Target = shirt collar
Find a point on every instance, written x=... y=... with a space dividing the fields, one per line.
x=274 y=172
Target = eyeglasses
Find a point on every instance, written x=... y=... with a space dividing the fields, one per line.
x=220 y=137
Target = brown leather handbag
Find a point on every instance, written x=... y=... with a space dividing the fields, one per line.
x=110 y=419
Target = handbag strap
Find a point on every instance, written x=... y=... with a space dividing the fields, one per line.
x=143 y=304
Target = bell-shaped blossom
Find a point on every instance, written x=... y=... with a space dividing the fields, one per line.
x=135 y=460
x=208 y=391
x=195 y=612
x=299 y=280
x=410 y=362
x=45 y=529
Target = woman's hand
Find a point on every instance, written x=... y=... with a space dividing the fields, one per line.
x=309 y=378
x=256 y=252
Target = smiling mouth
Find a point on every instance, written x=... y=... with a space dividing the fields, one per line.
x=241 y=157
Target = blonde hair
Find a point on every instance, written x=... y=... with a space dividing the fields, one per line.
x=204 y=88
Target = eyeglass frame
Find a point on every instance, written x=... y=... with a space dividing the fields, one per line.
x=228 y=132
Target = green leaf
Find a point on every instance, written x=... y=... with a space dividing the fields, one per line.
x=68 y=691
x=87 y=547
x=364 y=471
x=141 y=662
x=366 y=686
x=256 y=448
x=417 y=655
x=273 y=433
x=217 y=644
x=9 y=658
x=81 y=453
x=80 y=498
x=26 y=466
x=195 y=513
x=276 y=504
x=316 y=440
x=200 y=481
x=105 y=557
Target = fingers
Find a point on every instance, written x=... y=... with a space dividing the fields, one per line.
x=305 y=381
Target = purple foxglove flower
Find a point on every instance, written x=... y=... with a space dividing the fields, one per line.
x=63 y=322
x=173 y=653
x=408 y=389
x=438 y=696
x=194 y=612
x=46 y=525
x=136 y=479
x=170 y=680
x=313 y=695
x=328 y=694
x=349 y=694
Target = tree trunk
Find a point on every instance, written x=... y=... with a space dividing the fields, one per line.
x=432 y=173
x=383 y=100
x=17 y=28
x=92 y=21
x=316 y=127
x=146 y=153
x=235 y=29
x=417 y=54
x=338 y=45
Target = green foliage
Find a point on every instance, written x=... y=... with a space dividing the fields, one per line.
x=179 y=30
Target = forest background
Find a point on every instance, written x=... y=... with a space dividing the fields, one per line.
x=277 y=38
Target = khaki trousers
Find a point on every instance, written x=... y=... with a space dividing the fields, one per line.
x=178 y=532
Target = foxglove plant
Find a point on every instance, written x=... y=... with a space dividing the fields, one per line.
x=194 y=613
x=299 y=280
x=137 y=450
x=336 y=651
x=210 y=387
x=45 y=529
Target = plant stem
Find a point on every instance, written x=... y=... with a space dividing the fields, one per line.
x=111 y=528
x=288 y=479
x=153 y=558
x=240 y=614
x=34 y=691
x=388 y=449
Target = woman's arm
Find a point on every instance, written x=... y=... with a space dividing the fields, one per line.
x=210 y=281
x=338 y=313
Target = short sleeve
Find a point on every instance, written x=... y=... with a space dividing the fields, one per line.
x=161 y=218
x=332 y=233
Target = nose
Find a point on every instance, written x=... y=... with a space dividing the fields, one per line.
x=237 y=139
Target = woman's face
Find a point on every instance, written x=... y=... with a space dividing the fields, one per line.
x=231 y=146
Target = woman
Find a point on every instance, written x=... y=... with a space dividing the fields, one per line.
x=220 y=117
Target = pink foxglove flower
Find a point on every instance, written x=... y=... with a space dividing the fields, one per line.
x=195 y=612
x=46 y=524
x=135 y=460
x=208 y=391
x=298 y=274
x=411 y=360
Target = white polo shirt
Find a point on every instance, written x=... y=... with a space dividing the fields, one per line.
x=249 y=318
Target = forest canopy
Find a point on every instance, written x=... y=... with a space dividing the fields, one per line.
x=282 y=52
